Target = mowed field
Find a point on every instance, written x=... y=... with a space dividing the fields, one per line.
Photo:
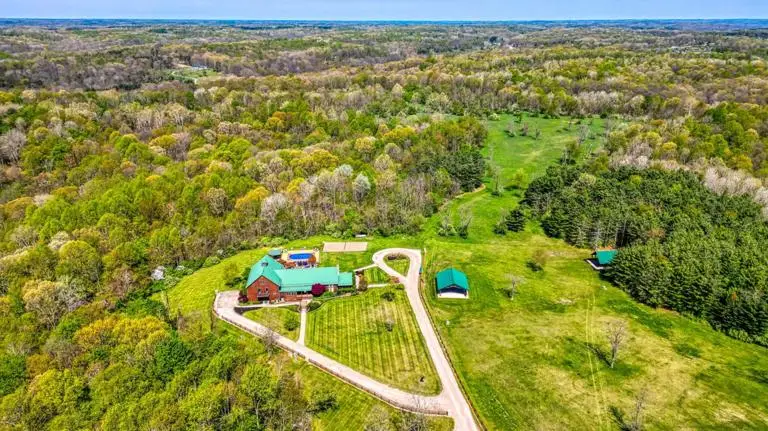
x=353 y=330
x=536 y=361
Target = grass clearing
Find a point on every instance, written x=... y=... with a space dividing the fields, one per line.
x=354 y=330
x=535 y=362
x=276 y=318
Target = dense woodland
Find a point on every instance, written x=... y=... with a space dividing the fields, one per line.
x=127 y=148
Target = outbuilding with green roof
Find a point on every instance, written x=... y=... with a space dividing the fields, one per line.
x=603 y=257
x=452 y=283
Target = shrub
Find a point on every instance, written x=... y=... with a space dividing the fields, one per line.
x=318 y=289
x=388 y=295
x=389 y=324
x=291 y=322
x=323 y=400
x=500 y=228
x=212 y=260
x=538 y=260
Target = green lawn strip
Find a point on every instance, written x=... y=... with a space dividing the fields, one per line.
x=375 y=275
x=274 y=318
x=362 y=341
x=409 y=351
x=357 y=358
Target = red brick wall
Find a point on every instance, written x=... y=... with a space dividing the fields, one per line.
x=262 y=286
x=296 y=296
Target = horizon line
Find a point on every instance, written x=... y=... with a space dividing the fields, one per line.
x=388 y=19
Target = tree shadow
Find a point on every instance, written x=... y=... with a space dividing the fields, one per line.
x=600 y=353
x=618 y=418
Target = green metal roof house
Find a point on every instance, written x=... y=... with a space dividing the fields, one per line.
x=298 y=279
x=452 y=283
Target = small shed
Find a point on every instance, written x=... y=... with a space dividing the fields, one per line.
x=452 y=283
x=275 y=253
x=602 y=258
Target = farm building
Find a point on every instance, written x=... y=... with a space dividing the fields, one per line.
x=602 y=258
x=452 y=283
x=269 y=280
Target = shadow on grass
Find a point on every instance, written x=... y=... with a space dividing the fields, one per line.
x=620 y=420
x=600 y=353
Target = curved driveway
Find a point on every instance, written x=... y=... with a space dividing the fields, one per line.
x=450 y=401
x=453 y=397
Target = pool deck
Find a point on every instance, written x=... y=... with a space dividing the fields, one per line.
x=287 y=255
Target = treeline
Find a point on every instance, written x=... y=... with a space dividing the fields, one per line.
x=680 y=246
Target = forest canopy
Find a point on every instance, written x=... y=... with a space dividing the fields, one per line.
x=128 y=150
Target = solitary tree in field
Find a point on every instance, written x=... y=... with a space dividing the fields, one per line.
x=616 y=331
x=514 y=282
x=496 y=176
x=270 y=342
x=515 y=220
x=511 y=128
x=641 y=402
x=378 y=420
x=500 y=228
x=463 y=228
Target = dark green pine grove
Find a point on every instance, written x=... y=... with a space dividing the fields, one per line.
x=680 y=246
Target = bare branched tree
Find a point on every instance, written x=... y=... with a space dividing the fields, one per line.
x=616 y=331
x=270 y=342
x=514 y=283
x=378 y=420
x=641 y=403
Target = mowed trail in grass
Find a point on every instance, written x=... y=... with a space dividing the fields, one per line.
x=353 y=330
x=535 y=361
x=274 y=318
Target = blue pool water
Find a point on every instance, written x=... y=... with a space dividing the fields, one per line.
x=300 y=256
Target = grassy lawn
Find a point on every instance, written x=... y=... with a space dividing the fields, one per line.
x=376 y=276
x=353 y=330
x=195 y=293
x=534 y=362
x=400 y=265
x=276 y=318
x=355 y=406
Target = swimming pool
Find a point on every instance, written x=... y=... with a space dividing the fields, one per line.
x=300 y=256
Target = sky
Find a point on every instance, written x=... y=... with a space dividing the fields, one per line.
x=459 y=10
